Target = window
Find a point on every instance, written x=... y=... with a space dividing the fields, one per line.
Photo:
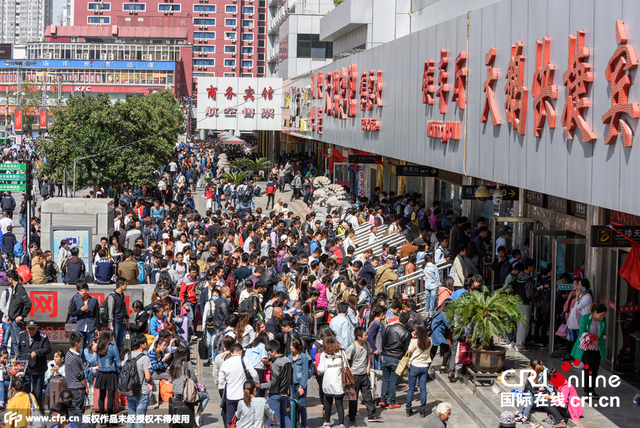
x=260 y=70
x=247 y=36
x=262 y=3
x=204 y=48
x=231 y=9
x=229 y=62
x=262 y=17
x=310 y=46
x=204 y=8
x=169 y=8
x=229 y=74
x=262 y=30
x=98 y=6
x=229 y=49
x=247 y=63
x=200 y=21
x=247 y=75
x=99 y=20
x=133 y=6
x=261 y=57
x=247 y=22
x=261 y=43
x=229 y=35
x=204 y=62
x=247 y=9
x=247 y=50
x=230 y=22
x=204 y=35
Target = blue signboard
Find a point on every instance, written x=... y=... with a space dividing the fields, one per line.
x=83 y=64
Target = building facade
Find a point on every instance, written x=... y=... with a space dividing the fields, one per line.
x=24 y=21
x=535 y=100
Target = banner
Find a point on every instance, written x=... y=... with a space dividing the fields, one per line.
x=18 y=119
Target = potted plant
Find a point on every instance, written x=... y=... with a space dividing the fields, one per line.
x=235 y=176
x=261 y=164
x=487 y=316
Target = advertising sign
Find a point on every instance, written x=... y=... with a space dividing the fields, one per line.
x=76 y=237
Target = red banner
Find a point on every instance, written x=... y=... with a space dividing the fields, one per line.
x=43 y=119
x=18 y=120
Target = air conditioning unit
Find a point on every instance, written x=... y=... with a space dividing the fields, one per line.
x=135 y=12
x=206 y=14
x=249 y=41
x=233 y=69
x=103 y=56
x=251 y=15
x=234 y=14
x=206 y=27
x=110 y=57
x=200 y=27
x=249 y=69
x=166 y=12
x=170 y=12
x=86 y=55
x=234 y=27
x=200 y=13
x=250 y=1
x=234 y=1
x=233 y=55
x=147 y=57
x=250 y=27
x=249 y=55
x=47 y=55
x=130 y=12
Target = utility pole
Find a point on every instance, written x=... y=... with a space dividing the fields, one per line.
x=28 y=198
x=6 y=112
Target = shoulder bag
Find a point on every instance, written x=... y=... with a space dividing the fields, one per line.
x=348 y=381
x=189 y=390
x=405 y=362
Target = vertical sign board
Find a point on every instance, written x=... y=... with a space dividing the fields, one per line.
x=76 y=237
x=43 y=119
x=18 y=119
x=242 y=103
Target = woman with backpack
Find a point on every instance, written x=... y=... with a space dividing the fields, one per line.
x=331 y=365
x=109 y=364
x=180 y=370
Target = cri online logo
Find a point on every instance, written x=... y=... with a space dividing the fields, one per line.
x=557 y=379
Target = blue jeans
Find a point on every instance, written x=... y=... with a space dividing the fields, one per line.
x=432 y=298
x=35 y=385
x=87 y=338
x=419 y=375
x=23 y=221
x=4 y=391
x=218 y=198
x=119 y=333
x=279 y=404
x=375 y=363
x=137 y=406
x=389 y=380
x=191 y=315
x=6 y=333
x=302 y=404
x=15 y=333
x=204 y=400
x=210 y=337
x=527 y=404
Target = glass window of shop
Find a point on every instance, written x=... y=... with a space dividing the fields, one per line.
x=416 y=185
x=450 y=196
x=154 y=77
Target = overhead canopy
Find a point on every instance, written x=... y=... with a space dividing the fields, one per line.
x=228 y=138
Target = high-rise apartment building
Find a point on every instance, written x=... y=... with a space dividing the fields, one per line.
x=24 y=21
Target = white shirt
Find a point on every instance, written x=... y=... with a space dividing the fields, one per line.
x=232 y=376
x=245 y=247
x=5 y=223
x=243 y=296
x=348 y=243
x=116 y=225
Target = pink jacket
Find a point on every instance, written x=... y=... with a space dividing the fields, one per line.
x=573 y=404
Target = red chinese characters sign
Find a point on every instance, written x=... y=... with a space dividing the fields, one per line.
x=543 y=89
x=515 y=104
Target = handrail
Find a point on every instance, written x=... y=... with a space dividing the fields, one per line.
x=377 y=246
x=416 y=275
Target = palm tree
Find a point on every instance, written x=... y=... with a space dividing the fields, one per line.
x=236 y=177
x=234 y=152
x=257 y=165
x=241 y=162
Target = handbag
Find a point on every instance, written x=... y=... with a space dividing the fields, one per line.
x=348 y=381
x=465 y=354
x=234 y=422
x=189 y=390
x=586 y=342
x=247 y=373
x=405 y=363
x=37 y=420
x=562 y=330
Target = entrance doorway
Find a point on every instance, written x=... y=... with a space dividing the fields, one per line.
x=519 y=228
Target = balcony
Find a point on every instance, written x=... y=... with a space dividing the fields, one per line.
x=347 y=17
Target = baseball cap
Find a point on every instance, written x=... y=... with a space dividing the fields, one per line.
x=165 y=236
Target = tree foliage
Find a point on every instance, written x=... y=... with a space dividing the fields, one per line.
x=30 y=100
x=235 y=176
x=488 y=315
x=92 y=125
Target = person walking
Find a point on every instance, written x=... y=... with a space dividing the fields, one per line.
x=395 y=343
x=137 y=403
x=332 y=362
x=271 y=192
x=253 y=412
x=420 y=360
x=19 y=309
x=180 y=369
x=359 y=355
x=590 y=347
x=109 y=364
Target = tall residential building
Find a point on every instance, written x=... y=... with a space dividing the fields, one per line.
x=228 y=36
x=294 y=37
x=25 y=20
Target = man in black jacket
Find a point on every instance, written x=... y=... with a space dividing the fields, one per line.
x=223 y=310
x=35 y=344
x=19 y=308
x=395 y=343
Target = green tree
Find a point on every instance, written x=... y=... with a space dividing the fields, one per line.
x=92 y=125
x=235 y=177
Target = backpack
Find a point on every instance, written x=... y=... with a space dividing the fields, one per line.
x=164 y=274
x=427 y=325
x=400 y=270
x=242 y=190
x=103 y=310
x=247 y=306
x=207 y=175
x=142 y=276
x=332 y=307
x=315 y=349
x=285 y=378
x=271 y=189
x=199 y=287
x=227 y=190
x=129 y=383
x=364 y=316
x=18 y=249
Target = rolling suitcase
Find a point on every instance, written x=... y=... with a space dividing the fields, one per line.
x=56 y=386
x=376 y=385
x=294 y=413
x=96 y=400
x=180 y=408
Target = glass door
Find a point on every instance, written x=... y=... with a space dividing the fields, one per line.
x=568 y=256
x=509 y=232
x=541 y=246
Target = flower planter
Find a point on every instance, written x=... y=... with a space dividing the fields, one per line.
x=488 y=361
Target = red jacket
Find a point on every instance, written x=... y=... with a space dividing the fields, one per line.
x=188 y=290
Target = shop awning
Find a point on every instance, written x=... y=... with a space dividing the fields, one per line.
x=228 y=138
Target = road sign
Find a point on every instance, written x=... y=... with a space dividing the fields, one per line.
x=13 y=187
x=14 y=166
x=365 y=158
x=602 y=236
x=416 y=171
x=508 y=193
x=13 y=177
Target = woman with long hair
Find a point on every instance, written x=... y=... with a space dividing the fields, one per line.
x=440 y=335
x=445 y=291
x=180 y=369
x=352 y=313
x=419 y=362
x=537 y=376
x=109 y=363
x=300 y=363
x=590 y=347
x=244 y=332
x=115 y=249
x=160 y=359
x=254 y=412
x=581 y=308
x=332 y=363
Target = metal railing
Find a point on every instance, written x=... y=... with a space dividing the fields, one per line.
x=413 y=285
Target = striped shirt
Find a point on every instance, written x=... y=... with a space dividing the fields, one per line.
x=74 y=370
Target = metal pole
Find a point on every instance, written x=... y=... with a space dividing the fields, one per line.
x=27 y=198
x=65 y=181
x=74 y=179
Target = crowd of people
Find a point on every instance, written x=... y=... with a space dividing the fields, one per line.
x=279 y=298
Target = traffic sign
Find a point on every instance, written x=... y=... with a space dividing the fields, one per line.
x=509 y=193
x=415 y=171
x=603 y=236
x=14 y=166
x=13 y=187
x=13 y=177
